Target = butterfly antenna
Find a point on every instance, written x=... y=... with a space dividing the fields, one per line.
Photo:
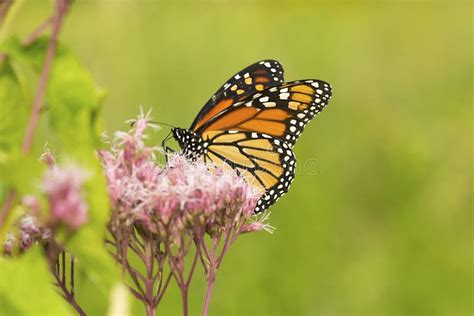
x=162 y=123
x=154 y=122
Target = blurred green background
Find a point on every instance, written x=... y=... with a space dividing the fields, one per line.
x=379 y=218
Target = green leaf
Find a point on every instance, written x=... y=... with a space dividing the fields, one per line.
x=13 y=110
x=32 y=55
x=22 y=172
x=72 y=98
x=27 y=287
x=73 y=103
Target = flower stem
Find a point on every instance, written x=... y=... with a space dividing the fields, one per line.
x=184 y=296
x=57 y=262
x=210 y=285
x=149 y=281
x=37 y=32
x=215 y=262
x=150 y=310
x=7 y=205
x=62 y=8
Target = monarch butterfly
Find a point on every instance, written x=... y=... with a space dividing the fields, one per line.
x=251 y=124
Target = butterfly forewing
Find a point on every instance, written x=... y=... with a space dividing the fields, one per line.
x=281 y=111
x=251 y=80
x=265 y=162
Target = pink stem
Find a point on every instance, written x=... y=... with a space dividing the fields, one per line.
x=210 y=285
x=185 y=286
x=150 y=310
x=211 y=276
x=4 y=8
x=214 y=264
x=7 y=206
x=149 y=281
x=177 y=272
x=193 y=266
x=57 y=263
x=184 y=296
x=37 y=32
x=62 y=8
x=162 y=292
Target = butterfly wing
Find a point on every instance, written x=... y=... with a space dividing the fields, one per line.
x=281 y=112
x=265 y=162
x=257 y=77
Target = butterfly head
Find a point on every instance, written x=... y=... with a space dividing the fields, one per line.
x=191 y=144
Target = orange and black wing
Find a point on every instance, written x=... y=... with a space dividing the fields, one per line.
x=281 y=111
x=263 y=161
x=253 y=79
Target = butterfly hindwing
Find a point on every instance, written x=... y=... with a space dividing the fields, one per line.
x=251 y=80
x=281 y=111
x=263 y=161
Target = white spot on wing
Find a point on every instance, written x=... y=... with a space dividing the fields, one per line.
x=284 y=96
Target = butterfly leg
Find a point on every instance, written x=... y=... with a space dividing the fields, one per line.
x=168 y=150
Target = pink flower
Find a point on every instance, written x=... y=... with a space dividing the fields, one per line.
x=49 y=159
x=29 y=225
x=63 y=188
x=32 y=203
x=29 y=232
x=186 y=192
x=147 y=192
x=258 y=225
x=9 y=244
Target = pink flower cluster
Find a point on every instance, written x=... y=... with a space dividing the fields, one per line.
x=187 y=193
x=163 y=213
x=28 y=231
x=62 y=188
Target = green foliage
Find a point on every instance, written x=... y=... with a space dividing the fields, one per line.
x=72 y=98
x=21 y=172
x=73 y=106
x=31 y=56
x=75 y=103
x=26 y=287
x=13 y=110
